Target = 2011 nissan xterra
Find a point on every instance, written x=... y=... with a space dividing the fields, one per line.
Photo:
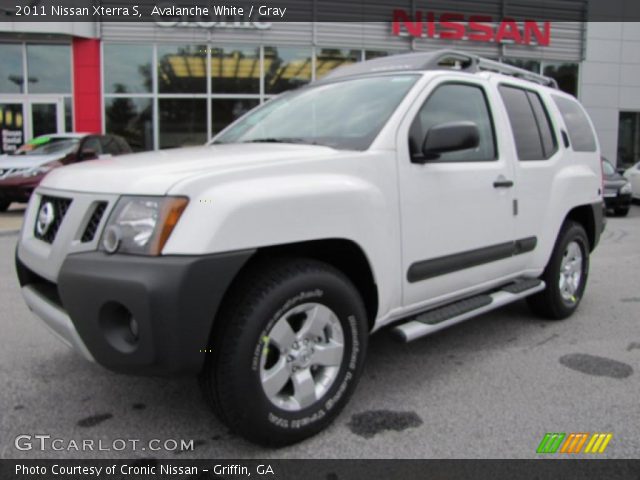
x=414 y=191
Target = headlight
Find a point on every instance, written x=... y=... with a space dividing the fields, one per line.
x=626 y=188
x=41 y=170
x=142 y=225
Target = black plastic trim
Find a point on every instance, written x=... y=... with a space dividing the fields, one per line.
x=174 y=300
x=435 y=267
x=600 y=222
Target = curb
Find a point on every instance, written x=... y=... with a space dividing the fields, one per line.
x=9 y=233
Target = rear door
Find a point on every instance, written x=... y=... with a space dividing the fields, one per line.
x=537 y=153
x=456 y=210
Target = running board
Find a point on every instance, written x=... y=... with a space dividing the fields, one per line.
x=443 y=317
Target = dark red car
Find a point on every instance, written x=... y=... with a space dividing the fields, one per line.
x=22 y=171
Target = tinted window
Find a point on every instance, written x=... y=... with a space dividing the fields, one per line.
x=90 y=147
x=182 y=69
x=131 y=119
x=124 y=146
x=49 y=68
x=580 y=132
x=109 y=145
x=547 y=137
x=235 y=70
x=453 y=103
x=12 y=77
x=286 y=68
x=523 y=123
x=127 y=68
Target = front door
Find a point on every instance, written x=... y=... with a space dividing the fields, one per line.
x=46 y=116
x=457 y=209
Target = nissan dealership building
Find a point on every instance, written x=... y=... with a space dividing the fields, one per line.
x=171 y=83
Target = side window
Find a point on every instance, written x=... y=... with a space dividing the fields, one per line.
x=124 y=146
x=109 y=145
x=580 y=132
x=451 y=103
x=90 y=149
x=547 y=136
x=530 y=123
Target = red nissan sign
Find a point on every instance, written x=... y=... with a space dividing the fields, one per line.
x=477 y=28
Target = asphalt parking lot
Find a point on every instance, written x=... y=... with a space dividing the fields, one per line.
x=488 y=388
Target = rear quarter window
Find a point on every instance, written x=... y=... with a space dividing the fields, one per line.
x=580 y=132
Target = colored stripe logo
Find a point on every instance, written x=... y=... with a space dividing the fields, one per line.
x=574 y=443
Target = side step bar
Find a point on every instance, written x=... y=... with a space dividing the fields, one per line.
x=443 y=317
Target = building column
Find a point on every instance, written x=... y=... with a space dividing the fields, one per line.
x=87 y=88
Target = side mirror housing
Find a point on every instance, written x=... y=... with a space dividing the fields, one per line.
x=448 y=137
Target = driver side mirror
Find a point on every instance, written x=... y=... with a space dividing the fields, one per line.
x=448 y=137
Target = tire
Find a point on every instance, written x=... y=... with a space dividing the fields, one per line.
x=4 y=205
x=552 y=303
x=249 y=340
x=622 y=212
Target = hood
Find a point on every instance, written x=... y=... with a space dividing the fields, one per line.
x=154 y=173
x=11 y=162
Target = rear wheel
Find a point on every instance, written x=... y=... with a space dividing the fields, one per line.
x=565 y=275
x=288 y=351
x=4 y=205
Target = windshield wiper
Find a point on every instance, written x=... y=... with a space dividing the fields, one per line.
x=277 y=140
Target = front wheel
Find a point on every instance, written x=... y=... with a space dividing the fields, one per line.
x=622 y=212
x=288 y=352
x=565 y=275
x=4 y=205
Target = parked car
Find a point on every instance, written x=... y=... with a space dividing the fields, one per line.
x=22 y=171
x=617 y=189
x=418 y=190
x=633 y=175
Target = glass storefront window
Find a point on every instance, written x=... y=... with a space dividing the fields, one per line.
x=286 y=68
x=183 y=122
x=68 y=114
x=131 y=118
x=49 y=68
x=127 y=68
x=235 y=70
x=181 y=69
x=328 y=59
x=11 y=75
x=531 y=65
x=566 y=74
x=371 y=54
x=224 y=111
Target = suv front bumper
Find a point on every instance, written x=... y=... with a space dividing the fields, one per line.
x=134 y=314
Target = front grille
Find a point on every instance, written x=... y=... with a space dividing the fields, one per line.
x=47 y=232
x=92 y=226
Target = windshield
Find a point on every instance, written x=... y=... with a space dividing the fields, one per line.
x=607 y=168
x=344 y=115
x=48 y=146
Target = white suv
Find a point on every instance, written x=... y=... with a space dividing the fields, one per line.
x=416 y=191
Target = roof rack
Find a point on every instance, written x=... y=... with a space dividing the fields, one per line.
x=438 y=60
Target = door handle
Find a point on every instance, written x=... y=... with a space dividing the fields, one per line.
x=502 y=182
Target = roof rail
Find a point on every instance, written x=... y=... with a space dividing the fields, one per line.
x=437 y=60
